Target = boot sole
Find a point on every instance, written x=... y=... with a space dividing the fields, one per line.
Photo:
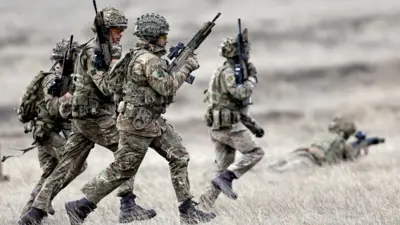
x=228 y=192
x=138 y=218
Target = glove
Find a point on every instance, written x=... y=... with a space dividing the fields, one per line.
x=65 y=109
x=191 y=64
x=116 y=51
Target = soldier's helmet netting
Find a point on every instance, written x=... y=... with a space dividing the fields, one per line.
x=113 y=18
x=151 y=25
x=343 y=126
x=61 y=48
x=229 y=48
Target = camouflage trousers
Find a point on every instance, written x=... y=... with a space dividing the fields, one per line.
x=296 y=160
x=85 y=133
x=226 y=144
x=131 y=152
x=49 y=152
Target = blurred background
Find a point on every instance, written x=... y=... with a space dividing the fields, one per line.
x=315 y=59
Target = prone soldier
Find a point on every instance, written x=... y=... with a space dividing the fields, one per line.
x=328 y=148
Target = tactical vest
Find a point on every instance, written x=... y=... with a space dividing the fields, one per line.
x=138 y=92
x=224 y=110
x=88 y=99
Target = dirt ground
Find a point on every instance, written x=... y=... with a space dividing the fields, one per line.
x=315 y=58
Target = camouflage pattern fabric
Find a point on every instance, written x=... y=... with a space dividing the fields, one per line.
x=92 y=122
x=147 y=92
x=228 y=133
x=46 y=129
x=327 y=149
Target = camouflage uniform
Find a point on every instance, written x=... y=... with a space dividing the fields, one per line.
x=49 y=123
x=92 y=122
x=327 y=149
x=148 y=90
x=228 y=119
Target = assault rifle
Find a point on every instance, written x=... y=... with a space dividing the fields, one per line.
x=103 y=54
x=60 y=86
x=180 y=52
x=241 y=64
x=363 y=142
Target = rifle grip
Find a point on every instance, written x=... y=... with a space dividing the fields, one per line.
x=190 y=79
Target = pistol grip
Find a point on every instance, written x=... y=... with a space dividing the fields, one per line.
x=190 y=79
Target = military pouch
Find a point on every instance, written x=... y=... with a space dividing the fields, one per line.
x=224 y=118
x=208 y=117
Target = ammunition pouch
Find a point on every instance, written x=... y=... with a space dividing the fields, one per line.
x=223 y=118
x=83 y=106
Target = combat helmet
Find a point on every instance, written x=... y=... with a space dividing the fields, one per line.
x=151 y=26
x=229 y=47
x=113 y=18
x=61 y=48
x=342 y=126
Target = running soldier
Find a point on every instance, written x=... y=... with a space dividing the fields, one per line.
x=148 y=91
x=229 y=121
x=41 y=113
x=92 y=122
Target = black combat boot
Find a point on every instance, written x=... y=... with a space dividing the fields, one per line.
x=190 y=215
x=224 y=182
x=78 y=210
x=129 y=211
x=33 y=217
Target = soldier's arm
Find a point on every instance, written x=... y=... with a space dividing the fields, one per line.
x=99 y=77
x=240 y=92
x=159 y=79
x=350 y=153
x=52 y=103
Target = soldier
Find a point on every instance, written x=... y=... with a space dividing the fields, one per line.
x=327 y=149
x=92 y=122
x=49 y=122
x=148 y=90
x=227 y=116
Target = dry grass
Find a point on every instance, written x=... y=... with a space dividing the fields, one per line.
x=315 y=59
x=366 y=192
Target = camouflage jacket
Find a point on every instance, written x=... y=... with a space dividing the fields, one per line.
x=328 y=148
x=225 y=98
x=147 y=91
x=48 y=117
x=92 y=96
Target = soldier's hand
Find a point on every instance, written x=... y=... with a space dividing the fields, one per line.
x=116 y=51
x=192 y=64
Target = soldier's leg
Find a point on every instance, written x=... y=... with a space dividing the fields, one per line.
x=70 y=165
x=47 y=163
x=252 y=153
x=128 y=157
x=224 y=157
x=292 y=162
x=58 y=144
x=170 y=146
x=106 y=134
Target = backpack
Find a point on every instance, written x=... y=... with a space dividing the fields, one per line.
x=116 y=77
x=26 y=110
